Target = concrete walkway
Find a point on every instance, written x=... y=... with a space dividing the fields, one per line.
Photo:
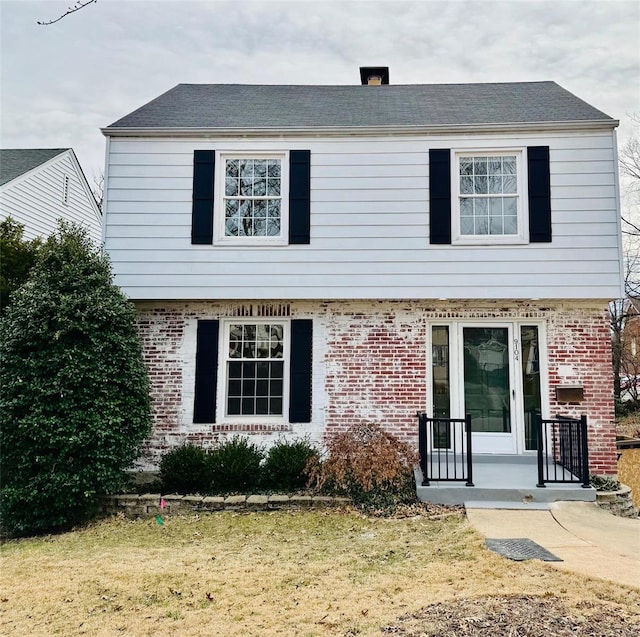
x=590 y=540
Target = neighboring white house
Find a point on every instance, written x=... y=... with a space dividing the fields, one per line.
x=38 y=186
x=308 y=257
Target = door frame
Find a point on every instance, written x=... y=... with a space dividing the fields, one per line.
x=456 y=373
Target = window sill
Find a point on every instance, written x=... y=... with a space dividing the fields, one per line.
x=484 y=241
x=252 y=427
x=249 y=243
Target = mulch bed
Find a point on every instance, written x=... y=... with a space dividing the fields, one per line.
x=517 y=616
x=419 y=509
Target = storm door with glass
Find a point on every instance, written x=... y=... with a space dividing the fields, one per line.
x=492 y=372
x=487 y=386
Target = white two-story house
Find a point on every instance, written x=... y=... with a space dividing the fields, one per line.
x=304 y=258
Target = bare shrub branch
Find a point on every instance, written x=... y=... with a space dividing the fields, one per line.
x=363 y=459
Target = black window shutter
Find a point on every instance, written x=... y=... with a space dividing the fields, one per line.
x=204 y=409
x=300 y=371
x=539 y=194
x=299 y=196
x=440 y=195
x=202 y=211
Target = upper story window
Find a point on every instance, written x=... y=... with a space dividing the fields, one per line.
x=479 y=187
x=253 y=200
x=488 y=189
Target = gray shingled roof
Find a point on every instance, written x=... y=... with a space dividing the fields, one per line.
x=284 y=107
x=17 y=161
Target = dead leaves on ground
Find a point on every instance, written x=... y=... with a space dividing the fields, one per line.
x=517 y=616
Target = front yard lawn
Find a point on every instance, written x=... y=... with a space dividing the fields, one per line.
x=301 y=573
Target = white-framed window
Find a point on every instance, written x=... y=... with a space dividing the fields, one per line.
x=489 y=197
x=255 y=368
x=252 y=196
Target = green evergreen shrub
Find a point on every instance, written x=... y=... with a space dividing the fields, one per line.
x=288 y=465
x=18 y=256
x=186 y=469
x=236 y=466
x=369 y=465
x=74 y=392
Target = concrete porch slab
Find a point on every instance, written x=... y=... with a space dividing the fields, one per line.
x=510 y=480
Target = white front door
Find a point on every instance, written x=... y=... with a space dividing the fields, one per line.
x=486 y=388
x=494 y=372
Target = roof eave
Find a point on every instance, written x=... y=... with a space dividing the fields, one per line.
x=332 y=131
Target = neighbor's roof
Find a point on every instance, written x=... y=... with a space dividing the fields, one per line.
x=239 y=106
x=17 y=161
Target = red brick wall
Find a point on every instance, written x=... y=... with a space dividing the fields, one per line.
x=581 y=340
x=162 y=333
x=376 y=368
x=370 y=365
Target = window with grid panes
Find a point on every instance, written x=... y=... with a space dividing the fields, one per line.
x=489 y=197
x=253 y=202
x=255 y=369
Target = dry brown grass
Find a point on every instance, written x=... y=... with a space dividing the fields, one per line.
x=283 y=573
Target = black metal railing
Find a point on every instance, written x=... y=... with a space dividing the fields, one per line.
x=563 y=454
x=445 y=451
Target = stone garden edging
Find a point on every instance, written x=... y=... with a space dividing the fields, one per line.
x=150 y=504
x=617 y=502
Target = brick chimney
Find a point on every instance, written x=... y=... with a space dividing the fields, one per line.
x=374 y=75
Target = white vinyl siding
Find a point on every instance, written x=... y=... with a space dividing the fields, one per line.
x=37 y=200
x=369 y=225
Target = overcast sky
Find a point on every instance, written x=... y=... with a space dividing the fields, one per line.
x=61 y=83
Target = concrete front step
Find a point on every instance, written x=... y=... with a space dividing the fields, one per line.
x=513 y=497
x=510 y=480
x=506 y=504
